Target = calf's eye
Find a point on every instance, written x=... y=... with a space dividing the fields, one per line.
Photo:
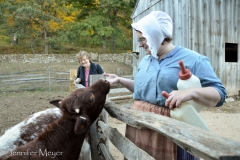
x=91 y=99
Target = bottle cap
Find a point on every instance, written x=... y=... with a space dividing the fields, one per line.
x=184 y=73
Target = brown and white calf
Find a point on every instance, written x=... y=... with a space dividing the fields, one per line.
x=30 y=128
x=63 y=138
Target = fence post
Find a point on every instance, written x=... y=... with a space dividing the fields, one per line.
x=95 y=138
x=73 y=75
x=49 y=78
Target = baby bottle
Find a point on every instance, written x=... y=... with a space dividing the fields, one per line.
x=186 y=81
x=186 y=113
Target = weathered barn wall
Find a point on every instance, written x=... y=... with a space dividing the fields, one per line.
x=203 y=26
x=212 y=24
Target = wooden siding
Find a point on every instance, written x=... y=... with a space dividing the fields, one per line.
x=203 y=26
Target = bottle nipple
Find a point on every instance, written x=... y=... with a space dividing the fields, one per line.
x=184 y=72
x=165 y=94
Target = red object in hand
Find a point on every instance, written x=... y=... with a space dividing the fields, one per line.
x=165 y=94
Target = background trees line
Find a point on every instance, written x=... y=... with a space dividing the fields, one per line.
x=60 y=26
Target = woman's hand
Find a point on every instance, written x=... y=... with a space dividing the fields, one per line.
x=111 y=78
x=78 y=80
x=176 y=97
x=206 y=96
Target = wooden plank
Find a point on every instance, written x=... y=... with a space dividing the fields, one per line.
x=238 y=41
x=220 y=60
x=26 y=79
x=26 y=75
x=73 y=76
x=105 y=152
x=207 y=23
x=196 y=141
x=128 y=76
x=230 y=76
x=120 y=97
x=192 y=26
x=127 y=148
x=118 y=90
x=229 y=158
x=95 y=138
x=95 y=78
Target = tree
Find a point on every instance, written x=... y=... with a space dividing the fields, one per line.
x=104 y=20
x=38 y=20
x=48 y=24
x=119 y=14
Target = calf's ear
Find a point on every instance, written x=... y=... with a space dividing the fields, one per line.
x=81 y=126
x=56 y=102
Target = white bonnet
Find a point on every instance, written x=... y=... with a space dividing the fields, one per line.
x=155 y=27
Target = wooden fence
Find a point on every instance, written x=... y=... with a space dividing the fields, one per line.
x=31 y=80
x=196 y=141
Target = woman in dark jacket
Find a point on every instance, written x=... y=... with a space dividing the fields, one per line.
x=86 y=68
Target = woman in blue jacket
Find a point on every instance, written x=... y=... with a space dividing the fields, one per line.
x=157 y=72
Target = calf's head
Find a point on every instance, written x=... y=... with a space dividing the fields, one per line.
x=84 y=105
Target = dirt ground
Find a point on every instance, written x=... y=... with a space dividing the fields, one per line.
x=16 y=106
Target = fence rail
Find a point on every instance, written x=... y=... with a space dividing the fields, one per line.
x=196 y=141
x=34 y=80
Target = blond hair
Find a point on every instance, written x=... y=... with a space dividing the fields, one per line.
x=81 y=54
